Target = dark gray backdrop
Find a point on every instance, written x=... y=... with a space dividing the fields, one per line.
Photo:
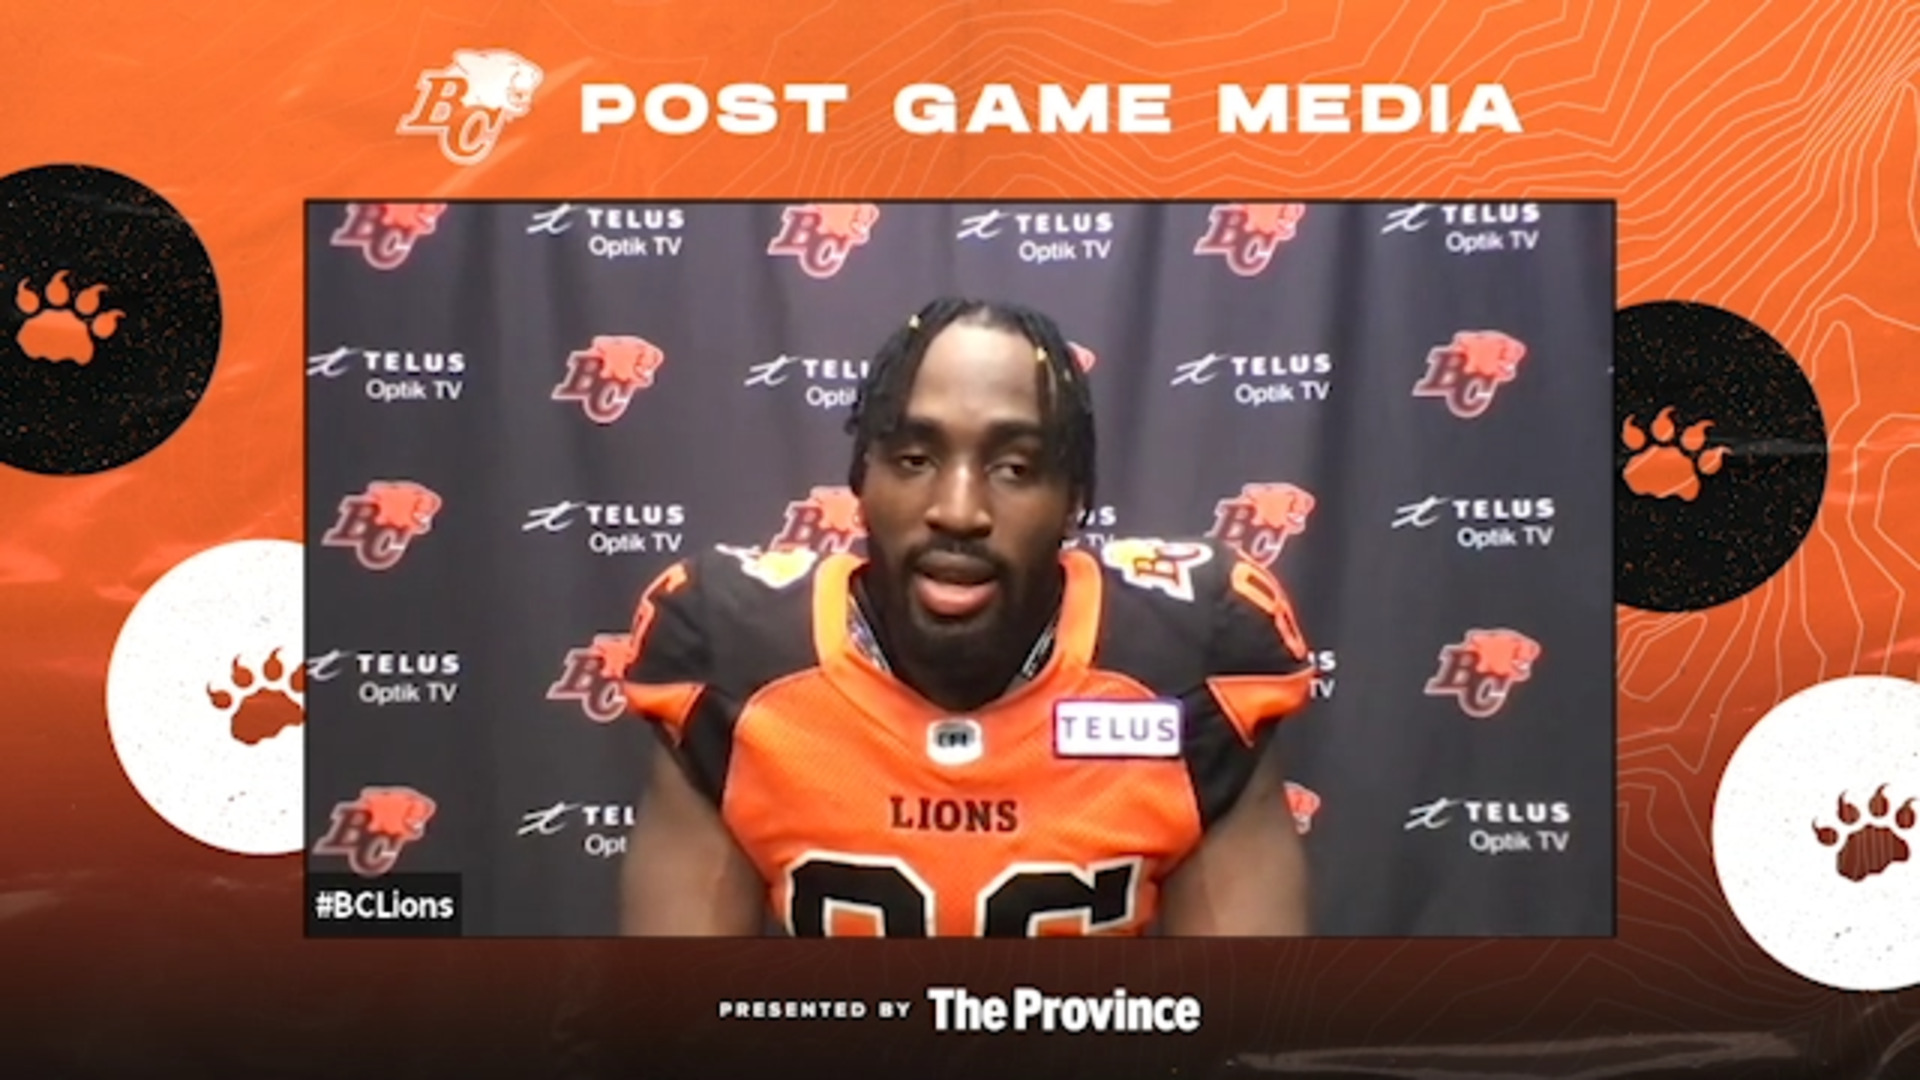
x=1211 y=372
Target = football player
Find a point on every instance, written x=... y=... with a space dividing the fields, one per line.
x=971 y=728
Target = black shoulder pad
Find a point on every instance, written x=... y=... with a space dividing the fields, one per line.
x=1195 y=622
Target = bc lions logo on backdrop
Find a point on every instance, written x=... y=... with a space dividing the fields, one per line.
x=372 y=830
x=386 y=233
x=591 y=676
x=380 y=523
x=826 y=521
x=1467 y=371
x=603 y=377
x=1257 y=522
x=469 y=103
x=1248 y=235
x=1482 y=670
x=820 y=236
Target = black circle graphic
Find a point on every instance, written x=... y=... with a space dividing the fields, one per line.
x=1720 y=455
x=83 y=390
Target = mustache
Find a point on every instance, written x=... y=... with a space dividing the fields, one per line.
x=954 y=547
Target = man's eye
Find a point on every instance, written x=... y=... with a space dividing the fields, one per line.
x=913 y=462
x=1013 y=470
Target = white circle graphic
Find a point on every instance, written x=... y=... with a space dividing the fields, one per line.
x=1814 y=838
x=205 y=731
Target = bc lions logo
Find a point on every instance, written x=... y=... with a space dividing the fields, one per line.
x=821 y=235
x=1468 y=370
x=592 y=676
x=386 y=233
x=468 y=104
x=1257 y=522
x=1248 y=234
x=775 y=569
x=1157 y=564
x=603 y=377
x=371 y=831
x=1482 y=670
x=380 y=523
x=826 y=521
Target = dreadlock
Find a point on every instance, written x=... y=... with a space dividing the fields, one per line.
x=1066 y=401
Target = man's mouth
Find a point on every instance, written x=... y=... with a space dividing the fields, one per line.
x=954 y=587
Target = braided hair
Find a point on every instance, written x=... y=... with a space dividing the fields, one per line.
x=1066 y=399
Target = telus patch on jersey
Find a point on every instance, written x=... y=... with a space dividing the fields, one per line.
x=1116 y=729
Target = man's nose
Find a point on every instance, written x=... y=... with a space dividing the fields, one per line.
x=960 y=504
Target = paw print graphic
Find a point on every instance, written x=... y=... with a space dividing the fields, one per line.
x=55 y=331
x=1871 y=846
x=1663 y=467
x=269 y=702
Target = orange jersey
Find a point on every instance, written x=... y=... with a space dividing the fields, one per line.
x=1055 y=810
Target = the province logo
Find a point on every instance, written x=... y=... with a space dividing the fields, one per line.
x=467 y=104
x=1467 y=371
x=379 y=524
x=1247 y=235
x=386 y=233
x=820 y=236
x=1482 y=669
x=371 y=831
x=1257 y=522
x=603 y=377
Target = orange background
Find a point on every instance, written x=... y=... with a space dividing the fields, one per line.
x=1764 y=159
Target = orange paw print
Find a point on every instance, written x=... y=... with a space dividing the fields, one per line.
x=270 y=702
x=1662 y=467
x=53 y=330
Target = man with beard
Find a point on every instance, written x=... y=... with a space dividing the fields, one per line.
x=972 y=729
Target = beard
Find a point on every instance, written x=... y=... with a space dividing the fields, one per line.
x=968 y=650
